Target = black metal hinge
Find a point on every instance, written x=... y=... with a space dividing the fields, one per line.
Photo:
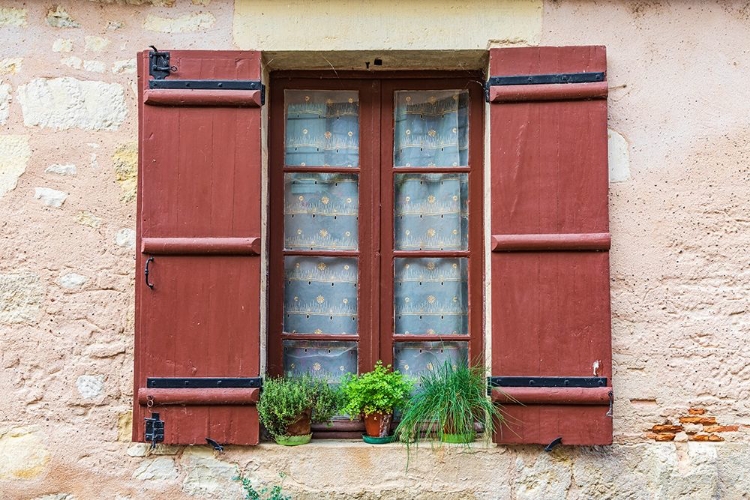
x=204 y=383
x=586 y=382
x=548 y=79
x=158 y=64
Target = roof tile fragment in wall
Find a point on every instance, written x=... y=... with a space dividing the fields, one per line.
x=64 y=103
x=184 y=24
x=10 y=16
x=58 y=17
x=695 y=426
x=14 y=156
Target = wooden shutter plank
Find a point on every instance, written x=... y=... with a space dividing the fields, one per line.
x=199 y=208
x=550 y=266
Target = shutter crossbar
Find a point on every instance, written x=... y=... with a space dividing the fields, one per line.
x=551 y=242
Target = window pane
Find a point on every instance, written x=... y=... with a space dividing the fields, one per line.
x=322 y=128
x=331 y=360
x=413 y=358
x=320 y=295
x=431 y=211
x=431 y=296
x=432 y=128
x=321 y=211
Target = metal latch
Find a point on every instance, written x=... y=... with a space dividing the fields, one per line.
x=158 y=64
x=154 y=430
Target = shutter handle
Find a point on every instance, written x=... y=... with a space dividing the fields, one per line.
x=554 y=443
x=145 y=273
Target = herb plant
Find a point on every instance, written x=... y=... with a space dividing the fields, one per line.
x=447 y=404
x=379 y=391
x=284 y=400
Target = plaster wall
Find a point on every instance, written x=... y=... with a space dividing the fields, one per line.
x=679 y=191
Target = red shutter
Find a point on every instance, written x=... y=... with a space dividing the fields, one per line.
x=197 y=354
x=551 y=347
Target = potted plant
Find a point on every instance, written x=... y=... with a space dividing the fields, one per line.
x=374 y=396
x=448 y=403
x=289 y=405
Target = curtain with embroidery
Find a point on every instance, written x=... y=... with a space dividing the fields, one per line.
x=321 y=213
x=432 y=128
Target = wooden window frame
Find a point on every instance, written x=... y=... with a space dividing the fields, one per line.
x=376 y=254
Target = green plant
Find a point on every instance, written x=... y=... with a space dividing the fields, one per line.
x=448 y=403
x=284 y=400
x=379 y=391
x=273 y=493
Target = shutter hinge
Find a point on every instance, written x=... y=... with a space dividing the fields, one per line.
x=584 y=382
x=158 y=64
x=154 y=430
x=204 y=382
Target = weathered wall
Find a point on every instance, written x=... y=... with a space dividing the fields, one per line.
x=680 y=192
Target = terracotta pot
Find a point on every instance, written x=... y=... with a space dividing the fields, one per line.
x=378 y=424
x=301 y=426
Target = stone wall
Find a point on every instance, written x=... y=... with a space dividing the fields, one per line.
x=680 y=192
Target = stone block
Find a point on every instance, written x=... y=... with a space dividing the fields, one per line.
x=72 y=281
x=63 y=103
x=96 y=43
x=14 y=156
x=61 y=169
x=5 y=91
x=125 y=238
x=88 y=219
x=23 y=454
x=183 y=24
x=10 y=65
x=58 y=17
x=62 y=45
x=90 y=386
x=157 y=469
x=125 y=161
x=619 y=157
x=10 y=16
x=21 y=297
x=50 y=197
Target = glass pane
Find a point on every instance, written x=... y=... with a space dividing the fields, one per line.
x=322 y=128
x=431 y=212
x=320 y=295
x=321 y=211
x=432 y=128
x=431 y=296
x=413 y=358
x=331 y=360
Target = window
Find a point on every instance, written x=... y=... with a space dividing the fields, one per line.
x=198 y=287
x=375 y=247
